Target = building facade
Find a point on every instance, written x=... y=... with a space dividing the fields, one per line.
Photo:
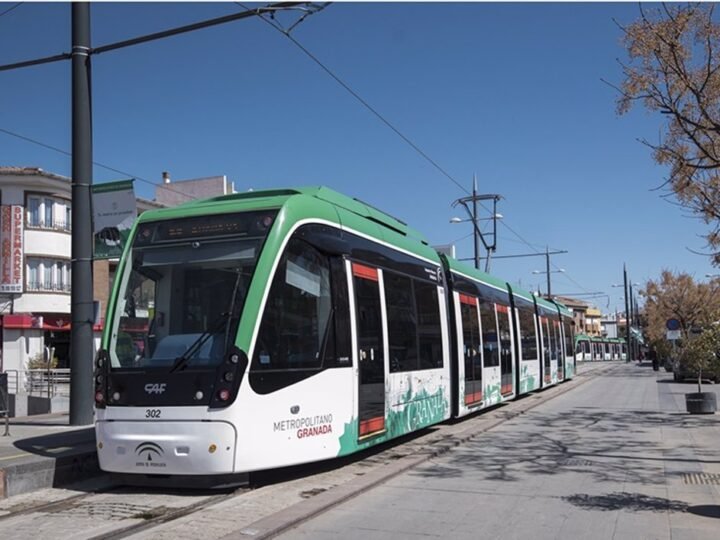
x=35 y=267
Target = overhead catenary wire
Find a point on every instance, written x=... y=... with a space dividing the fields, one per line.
x=95 y=163
x=360 y=99
x=385 y=121
x=270 y=8
x=11 y=8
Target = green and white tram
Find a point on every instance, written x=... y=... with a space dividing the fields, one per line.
x=592 y=348
x=266 y=329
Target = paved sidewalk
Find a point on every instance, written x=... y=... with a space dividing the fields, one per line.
x=616 y=458
x=44 y=451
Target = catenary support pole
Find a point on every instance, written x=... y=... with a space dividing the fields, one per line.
x=476 y=235
x=627 y=316
x=547 y=269
x=81 y=302
x=632 y=320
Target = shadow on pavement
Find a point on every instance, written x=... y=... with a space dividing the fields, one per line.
x=706 y=510
x=58 y=444
x=601 y=444
x=635 y=502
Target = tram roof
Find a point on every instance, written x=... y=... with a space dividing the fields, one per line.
x=563 y=308
x=473 y=273
x=275 y=198
x=546 y=304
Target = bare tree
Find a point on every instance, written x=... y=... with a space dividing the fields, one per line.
x=674 y=69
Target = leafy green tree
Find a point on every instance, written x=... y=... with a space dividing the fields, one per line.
x=701 y=353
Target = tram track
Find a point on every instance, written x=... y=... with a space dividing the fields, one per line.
x=152 y=521
x=44 y=507
x=110 y=511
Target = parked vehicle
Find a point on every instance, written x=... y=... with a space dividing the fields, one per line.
x=682 y=371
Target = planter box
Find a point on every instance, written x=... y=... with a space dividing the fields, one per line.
x=701 y=402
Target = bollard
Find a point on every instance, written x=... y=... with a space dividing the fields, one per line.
x=5 y=402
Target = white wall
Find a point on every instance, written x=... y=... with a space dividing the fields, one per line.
x=47 y=243
x=19 y=345
x=40 y=302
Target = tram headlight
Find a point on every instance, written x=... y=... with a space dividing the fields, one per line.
x=228 y=376
x=101 y=359
x=99 y=379
x=224 y=394
x=99 y=398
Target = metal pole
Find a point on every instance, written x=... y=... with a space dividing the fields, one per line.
x=490 y=251
x=547 y=268
x=81 y=302
x=632 y=318
x=475 y=224
x=627 y=315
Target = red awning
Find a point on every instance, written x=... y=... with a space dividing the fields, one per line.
x=50 y=321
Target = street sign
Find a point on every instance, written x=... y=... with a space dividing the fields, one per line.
x=672 y=335
x=672 y=324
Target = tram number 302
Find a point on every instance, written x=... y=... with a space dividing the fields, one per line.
x=152 y=413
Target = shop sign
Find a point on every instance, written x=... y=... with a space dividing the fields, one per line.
x=114 y=212
x=11 y=249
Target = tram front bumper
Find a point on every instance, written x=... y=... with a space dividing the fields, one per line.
x=186 y=448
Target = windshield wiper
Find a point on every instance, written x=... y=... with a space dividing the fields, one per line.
x=182 y=360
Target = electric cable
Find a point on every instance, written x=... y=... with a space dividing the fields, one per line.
x=11 y=8
x=362 y=101
x=96 y=163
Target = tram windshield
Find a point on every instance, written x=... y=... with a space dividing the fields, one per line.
x=180 y=301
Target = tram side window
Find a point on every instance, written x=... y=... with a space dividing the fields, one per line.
x=568 y=338
x=414 y=329
x=528 y=335
x=491 y=351
x=547 y=343
x=429 y=332
x=555 y=342
x=297 y=324
x=402 y=322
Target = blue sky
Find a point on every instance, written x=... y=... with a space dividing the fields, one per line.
x=511 y=92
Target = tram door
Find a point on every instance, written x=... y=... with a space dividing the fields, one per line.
x=371 y=360
x=545 y=331
x=471 y=350
x=560 y=342
x=506 y=351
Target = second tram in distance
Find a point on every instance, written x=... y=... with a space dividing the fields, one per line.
x=266 y=329
x=596 y=348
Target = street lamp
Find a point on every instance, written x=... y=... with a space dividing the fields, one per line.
x=548 y=272
x=460 y=220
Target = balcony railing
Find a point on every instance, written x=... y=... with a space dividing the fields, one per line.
x=45 y=286
x=56 y=225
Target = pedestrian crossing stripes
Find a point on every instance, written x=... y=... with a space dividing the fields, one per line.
x=702 y=478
